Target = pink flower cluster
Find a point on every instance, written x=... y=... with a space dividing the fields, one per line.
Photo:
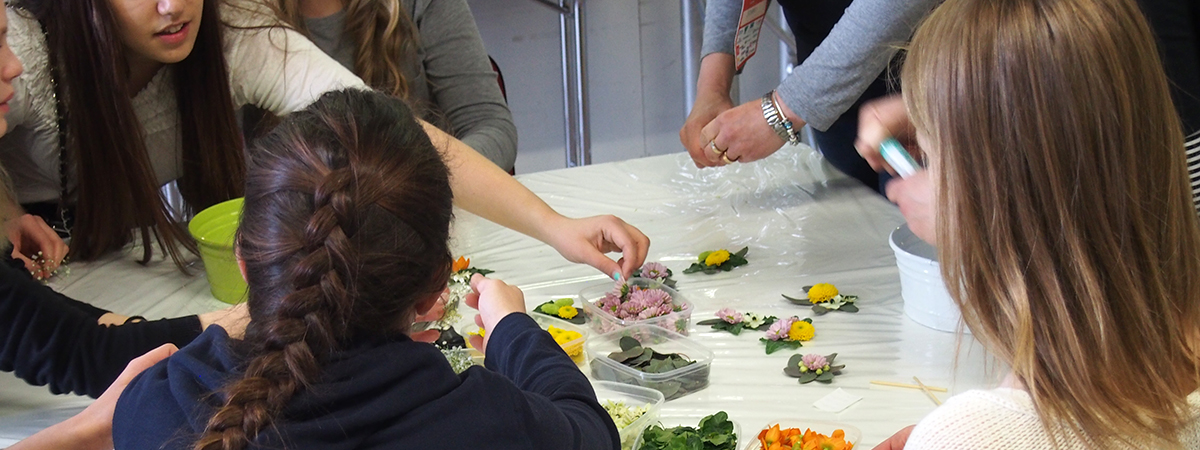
x=814 y=361
x=779 y=330
x=729 y=315
x=637 y=304
x=654 y=271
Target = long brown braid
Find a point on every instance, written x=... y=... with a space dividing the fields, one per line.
x=345 y=228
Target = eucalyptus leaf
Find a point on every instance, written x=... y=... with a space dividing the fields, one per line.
x=711 y=322
x=797 y=301
x=792 y=371
x=807 y=377
x=825 y=377
x=628 y=342
x=849 y=307
x=819 y=310
x=742 y=253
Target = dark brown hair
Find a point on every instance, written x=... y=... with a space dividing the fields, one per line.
x=344 y=230
x=1065 y=227
x=383 y=35
x=117 y=189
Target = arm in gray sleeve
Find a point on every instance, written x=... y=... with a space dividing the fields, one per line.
x=856 y=51
x=462 y=83
x=720 y=26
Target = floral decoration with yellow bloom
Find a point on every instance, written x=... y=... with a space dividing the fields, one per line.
x=788 y=333
x=825 y=297
x=722 y=260
x=563 y=308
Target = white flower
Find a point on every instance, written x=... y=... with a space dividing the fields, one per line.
x=752 y=320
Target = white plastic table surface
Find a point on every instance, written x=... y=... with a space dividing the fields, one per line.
x=804 y=224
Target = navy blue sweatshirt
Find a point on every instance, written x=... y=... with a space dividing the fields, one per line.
x=394 y=394
x=49 y=339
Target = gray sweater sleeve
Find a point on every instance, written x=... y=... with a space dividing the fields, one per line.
x=461 y=80
x=837 y=73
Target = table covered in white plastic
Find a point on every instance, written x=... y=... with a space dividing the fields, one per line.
x=804 y=224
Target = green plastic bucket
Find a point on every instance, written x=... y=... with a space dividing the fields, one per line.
x=214 y=229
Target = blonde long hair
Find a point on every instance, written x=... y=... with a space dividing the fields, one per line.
x=384 y=37
x=1065 y=227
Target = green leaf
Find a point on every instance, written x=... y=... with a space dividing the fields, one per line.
x=849 y=307
x=808 y=377
x=624 y=357
x=549 y=308
x=742 y=253
x=646 y=356
x=808 y=319
x=805 y=289
x=628 y=342
x=819 y=310
x=695 y=267
x=825 y=377
x=704 y=256
x=774 y=346
x=766 y=325
x=797 y=301
x=735 y=328
x=711 y=322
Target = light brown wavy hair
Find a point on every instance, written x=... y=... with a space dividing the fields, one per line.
x=383 y=34
x=1065 y=228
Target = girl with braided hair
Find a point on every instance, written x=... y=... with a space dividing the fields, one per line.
x=343 y=240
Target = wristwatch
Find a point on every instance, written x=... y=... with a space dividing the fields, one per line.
x=782 y=126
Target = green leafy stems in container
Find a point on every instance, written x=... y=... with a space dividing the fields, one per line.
x=824 y=297
x=813 y=367
x=714 y=432
x=711 y=262
x=734 y=322
x=563 y=308
x=788 y=333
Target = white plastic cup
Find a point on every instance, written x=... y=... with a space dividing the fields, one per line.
x=926 y=300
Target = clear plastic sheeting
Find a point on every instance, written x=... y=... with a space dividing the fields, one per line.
x=803 y=222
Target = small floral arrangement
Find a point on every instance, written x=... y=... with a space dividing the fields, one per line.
x=792 y=439
x=630 y=302
x=460 y=285
x=734 y=322
x=657 y=272
x=563 y=308
x=824 y=297
x=813 y=367
x=788 y=333
x=711 y=262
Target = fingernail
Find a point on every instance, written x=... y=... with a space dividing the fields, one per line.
x=616 y=276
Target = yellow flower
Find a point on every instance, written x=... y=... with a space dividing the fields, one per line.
x=562 y=337
x=479 y=333
x=567 y=312
x=822 y=292
x=717 y=258
x=801 y=331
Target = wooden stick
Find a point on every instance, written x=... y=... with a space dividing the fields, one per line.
x=927 y=392
x=909 y=386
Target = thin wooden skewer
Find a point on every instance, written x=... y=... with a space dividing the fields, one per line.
x=927 y=392
x=909 y=386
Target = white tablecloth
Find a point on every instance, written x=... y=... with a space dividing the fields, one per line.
x=804 y=224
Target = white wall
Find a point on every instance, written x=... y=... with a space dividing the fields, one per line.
x=634 y=70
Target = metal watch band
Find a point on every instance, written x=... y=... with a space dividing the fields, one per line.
x=782 y=126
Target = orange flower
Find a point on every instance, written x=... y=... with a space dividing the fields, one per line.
x=775 y=439
x=460 y=264
x=816 y=441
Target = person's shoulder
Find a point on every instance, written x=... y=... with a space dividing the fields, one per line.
x=979 y=419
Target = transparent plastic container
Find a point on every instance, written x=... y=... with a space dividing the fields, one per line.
x=603 y=321
x=672 y=384
x=633 y=397
x=853 y=434
x=576 y=346
x=691 y=420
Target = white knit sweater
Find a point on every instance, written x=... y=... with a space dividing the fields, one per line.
x=276 y=69
x=1004 y=419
